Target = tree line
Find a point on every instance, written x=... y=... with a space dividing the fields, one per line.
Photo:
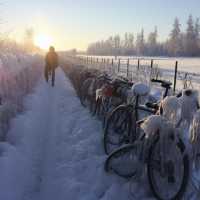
x=179 y=43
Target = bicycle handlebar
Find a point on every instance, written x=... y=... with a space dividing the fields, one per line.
x=165 y=84
x=156 y=80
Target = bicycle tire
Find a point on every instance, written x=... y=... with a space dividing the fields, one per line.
x=117 y=163
x=108 y=131
x=185 y=163
x=84 y=93
x=103 y=110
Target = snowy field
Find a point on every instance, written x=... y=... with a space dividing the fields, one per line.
x=191 y=65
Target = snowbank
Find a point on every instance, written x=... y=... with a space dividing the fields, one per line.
x=18 y=76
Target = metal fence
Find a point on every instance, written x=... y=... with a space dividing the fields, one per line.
x=144 y=69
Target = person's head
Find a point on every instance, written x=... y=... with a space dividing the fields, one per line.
x=51 y=49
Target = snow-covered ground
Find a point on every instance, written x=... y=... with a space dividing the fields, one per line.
x=54 y=151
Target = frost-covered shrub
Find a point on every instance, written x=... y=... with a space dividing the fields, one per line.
x=195 y=138
x=7 y=111
x=171 y=109
x=189 y=102
x=18 y=75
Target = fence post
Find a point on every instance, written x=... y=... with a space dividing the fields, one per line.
x=97 y=60
x=151 y=63
x=107 y=63
x=175 y=75
x=112 y=64
x=138 y=66
x=101 y=63
x=127 y=72
x=119 y=62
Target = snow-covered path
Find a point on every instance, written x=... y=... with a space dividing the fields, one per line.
x=55 y=151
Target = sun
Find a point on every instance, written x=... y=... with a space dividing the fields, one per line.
x=43 y=41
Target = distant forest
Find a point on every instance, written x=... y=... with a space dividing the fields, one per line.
x=179 y=43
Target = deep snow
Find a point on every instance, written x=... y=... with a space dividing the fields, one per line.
x=55 y=151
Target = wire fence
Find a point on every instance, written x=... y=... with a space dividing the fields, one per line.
x=144 y=69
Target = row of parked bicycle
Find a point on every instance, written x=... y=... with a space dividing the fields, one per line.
x=144 y=134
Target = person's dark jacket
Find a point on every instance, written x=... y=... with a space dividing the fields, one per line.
x=51 y=60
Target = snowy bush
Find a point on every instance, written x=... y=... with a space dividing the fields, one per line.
x=19 y=73
x=171 y=109
x=189 y=101
x=195 y=138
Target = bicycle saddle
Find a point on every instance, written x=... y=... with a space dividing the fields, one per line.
x=140 y=89
x=164 y=84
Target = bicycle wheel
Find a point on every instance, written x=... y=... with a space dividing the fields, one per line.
x=92 y=105
x=172 y=184
x=117 y=130
x=99 y=107
x=84 y=98
x=104 y=109
x=123 y=161
x=107 y=107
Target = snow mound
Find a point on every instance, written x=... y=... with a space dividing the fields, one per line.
x=19 y=74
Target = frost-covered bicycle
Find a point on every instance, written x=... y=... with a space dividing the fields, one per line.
x=121 y=124
x=161 y=150
x=109 y=96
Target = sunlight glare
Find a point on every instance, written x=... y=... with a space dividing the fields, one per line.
x=43 y=41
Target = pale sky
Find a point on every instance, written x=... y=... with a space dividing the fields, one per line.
x=75 y=23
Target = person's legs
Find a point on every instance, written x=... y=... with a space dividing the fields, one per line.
x=53 y=76
x=46 y=75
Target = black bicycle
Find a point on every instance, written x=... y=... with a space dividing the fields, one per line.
x=113 y=94
x=167 y=173
x=121 y=124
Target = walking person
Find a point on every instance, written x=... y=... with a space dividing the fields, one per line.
x=51 y=63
